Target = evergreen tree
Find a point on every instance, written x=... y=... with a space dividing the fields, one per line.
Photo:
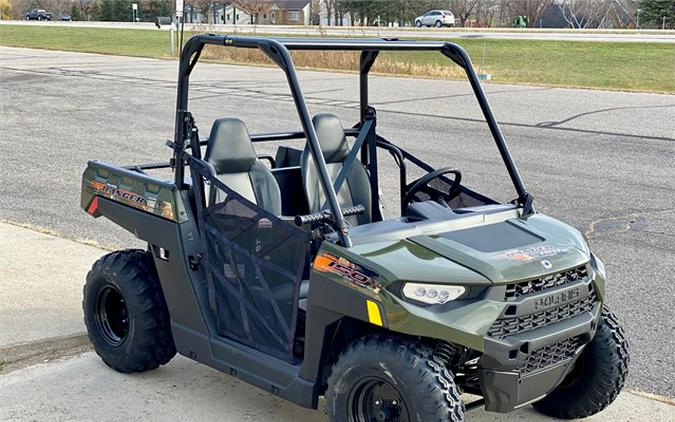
x=122 y=11
x=76 y=11
x=106 y=10
x=653 y=12
x=165 y=8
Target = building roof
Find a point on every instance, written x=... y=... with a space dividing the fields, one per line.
x=291 y=4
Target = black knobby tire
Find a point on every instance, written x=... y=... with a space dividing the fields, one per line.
x=597 y=378
x=412 y=369
x=125 y=313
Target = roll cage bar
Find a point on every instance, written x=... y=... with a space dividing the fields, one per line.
x=277 y=49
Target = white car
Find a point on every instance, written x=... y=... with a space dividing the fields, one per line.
x=437 y=18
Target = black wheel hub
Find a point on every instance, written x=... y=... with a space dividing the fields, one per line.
x=374 y=399
x=112 y=316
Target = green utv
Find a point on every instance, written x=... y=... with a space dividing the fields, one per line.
x=282 y=270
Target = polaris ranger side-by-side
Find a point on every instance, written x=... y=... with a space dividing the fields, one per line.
x=284 y=272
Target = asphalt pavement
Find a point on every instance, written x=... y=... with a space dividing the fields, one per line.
x=602 y=161
x=550 y=34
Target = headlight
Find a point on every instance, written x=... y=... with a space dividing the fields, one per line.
x=432 y=294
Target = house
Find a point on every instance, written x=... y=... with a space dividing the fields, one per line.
x=282 y=12
x=192 y=14
x=233 y=15
x=269 y=12
x=290 y=12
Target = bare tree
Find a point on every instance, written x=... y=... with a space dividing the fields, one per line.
x=330 y=5
x=533 y=10
x=462 y=9
x=485 y=12
x=5 y=9
x=584 y=13
x=315 y=12
x=624 y=12
x=88 y=7
x=339 y=12
x=254 y=7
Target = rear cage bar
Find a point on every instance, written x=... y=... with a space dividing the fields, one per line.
x=277 y=49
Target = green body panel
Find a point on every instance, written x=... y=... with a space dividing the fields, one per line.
x=434 y=259
x=131 y=188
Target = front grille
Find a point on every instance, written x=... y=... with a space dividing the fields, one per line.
x=505 y=327
x=550 y=355
x=515 y=290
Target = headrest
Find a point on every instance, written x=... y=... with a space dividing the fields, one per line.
x=331 y=137
x=229 y=148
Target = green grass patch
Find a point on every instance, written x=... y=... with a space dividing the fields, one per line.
x=630 y=66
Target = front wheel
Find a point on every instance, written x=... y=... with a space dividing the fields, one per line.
x=418 y=24
x=387 y=380
x=124 y=310
x=597 y=377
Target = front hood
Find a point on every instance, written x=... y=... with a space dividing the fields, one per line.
x=511 y=250
x=501 y=252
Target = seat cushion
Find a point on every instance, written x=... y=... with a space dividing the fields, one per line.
x=230 y=152
x=356 y=188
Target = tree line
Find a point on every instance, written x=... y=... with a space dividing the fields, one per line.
x=496 y=13
x=481 y=13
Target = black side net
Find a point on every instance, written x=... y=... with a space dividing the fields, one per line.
x=255 y=265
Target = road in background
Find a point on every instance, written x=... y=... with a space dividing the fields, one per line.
x=562 y=34
x=602 y=161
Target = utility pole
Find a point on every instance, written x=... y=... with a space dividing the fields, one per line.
x=172 y=43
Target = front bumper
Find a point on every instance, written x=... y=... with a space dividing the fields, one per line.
x=519 y=369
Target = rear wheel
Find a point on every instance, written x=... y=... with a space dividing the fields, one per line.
x=124 y=310
x=438 y=24
x=387 y=380
x=598 y=375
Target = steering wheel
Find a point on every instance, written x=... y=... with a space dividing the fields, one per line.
x=422 y=185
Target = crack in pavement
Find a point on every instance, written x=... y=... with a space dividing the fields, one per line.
x=347 y=104
x=552 y=124
x=605 y=226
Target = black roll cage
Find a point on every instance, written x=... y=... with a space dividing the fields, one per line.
x=277 y=49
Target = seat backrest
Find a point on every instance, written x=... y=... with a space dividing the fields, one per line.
x=356 y=188
x=230 y=151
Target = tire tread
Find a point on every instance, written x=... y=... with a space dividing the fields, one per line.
x=152 y=342
x=602 y=386
x=434 y=383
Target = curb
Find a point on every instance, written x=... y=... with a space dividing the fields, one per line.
x=21 y=355
x=54 y=233
x=651 y=396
